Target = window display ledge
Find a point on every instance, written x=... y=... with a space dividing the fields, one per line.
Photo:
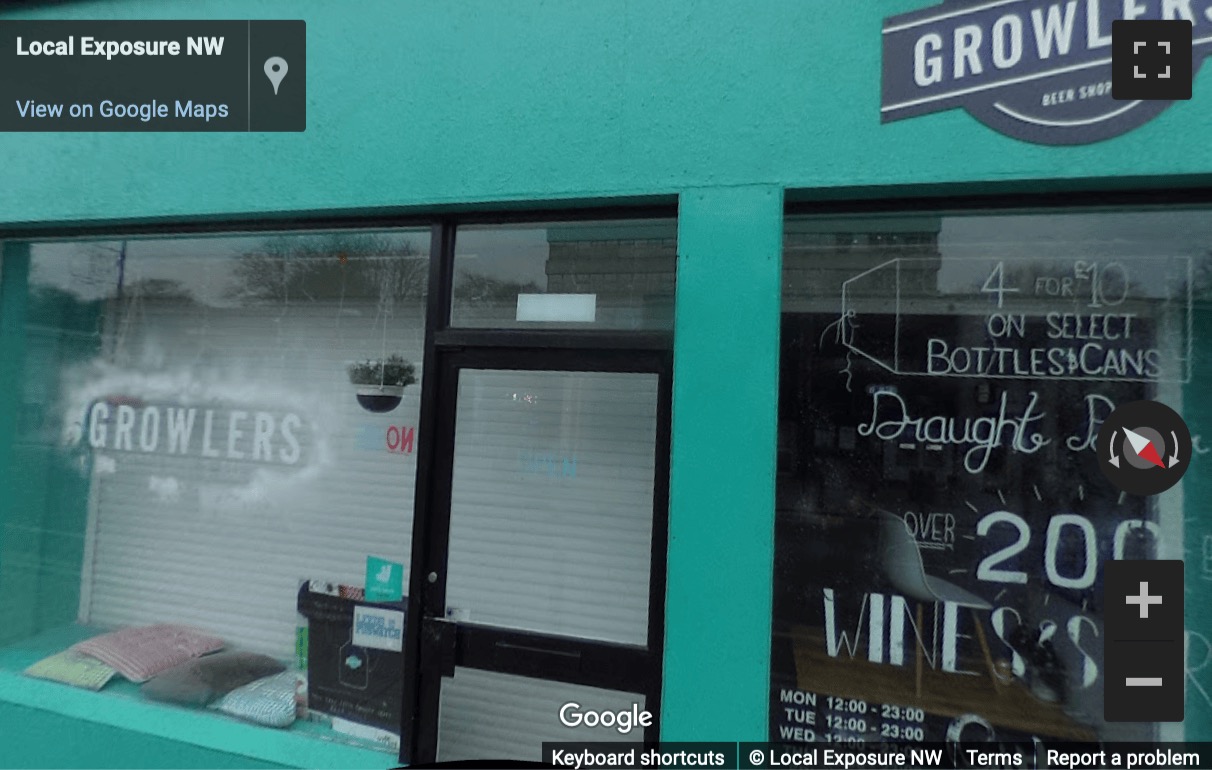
x=297 y=747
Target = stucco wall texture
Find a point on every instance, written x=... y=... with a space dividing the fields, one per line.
x=424 y=102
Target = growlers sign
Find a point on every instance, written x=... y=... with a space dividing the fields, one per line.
x=1035 y=70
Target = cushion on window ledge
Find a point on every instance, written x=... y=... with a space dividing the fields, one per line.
x=140 y=653
x=203 y=680
x=74 y=668
x=270 y=701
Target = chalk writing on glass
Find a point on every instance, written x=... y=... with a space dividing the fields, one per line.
x=1082 y=320
x=891 y=419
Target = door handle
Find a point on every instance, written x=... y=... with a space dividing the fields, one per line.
x=439 y=645
x=536 y=659
x=568 y=654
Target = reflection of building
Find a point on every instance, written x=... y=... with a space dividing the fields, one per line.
x=641 y=263
x=615 y=270
x=825 y=254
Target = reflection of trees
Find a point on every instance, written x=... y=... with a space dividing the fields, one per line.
x=345 y=265
x=160 y=289
x=474 y=288
x=352 y=266
x=55 y=308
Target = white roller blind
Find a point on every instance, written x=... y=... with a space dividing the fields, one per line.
x=551 y=506
x=487 y=714
x=221 y=542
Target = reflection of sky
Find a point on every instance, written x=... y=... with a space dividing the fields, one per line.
x=1135 y=239
x=89 y=269
x=504 y=253
x=203 y=266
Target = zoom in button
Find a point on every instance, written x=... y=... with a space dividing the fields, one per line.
x=1143 y=652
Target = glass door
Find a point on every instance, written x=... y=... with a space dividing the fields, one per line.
x=543 y=561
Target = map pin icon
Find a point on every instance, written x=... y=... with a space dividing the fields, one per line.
x=275 y=70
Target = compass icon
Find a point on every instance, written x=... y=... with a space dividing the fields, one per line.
x=1144 y=447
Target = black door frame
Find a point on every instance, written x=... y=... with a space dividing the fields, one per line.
x=434 y=645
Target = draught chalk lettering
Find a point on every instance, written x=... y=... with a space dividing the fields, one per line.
x=1098 y=408
x=891 y=419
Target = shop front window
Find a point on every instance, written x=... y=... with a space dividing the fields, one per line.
x=943 y=525
x=215 y=437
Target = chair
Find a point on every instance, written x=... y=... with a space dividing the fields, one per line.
x=902 y=564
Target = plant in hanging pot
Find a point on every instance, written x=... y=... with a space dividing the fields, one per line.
x=379 y=385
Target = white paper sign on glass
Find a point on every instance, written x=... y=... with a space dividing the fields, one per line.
x=568 y=308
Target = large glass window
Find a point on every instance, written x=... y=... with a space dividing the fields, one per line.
x=203 y=425
x=943 y=526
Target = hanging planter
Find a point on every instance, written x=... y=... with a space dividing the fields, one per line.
x=379 y=385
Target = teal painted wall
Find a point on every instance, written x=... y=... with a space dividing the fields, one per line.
x=20 y=541
x=89 y=745
x=44 y=513
x=419 y=102
x=424 y=103
x=721 y=505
